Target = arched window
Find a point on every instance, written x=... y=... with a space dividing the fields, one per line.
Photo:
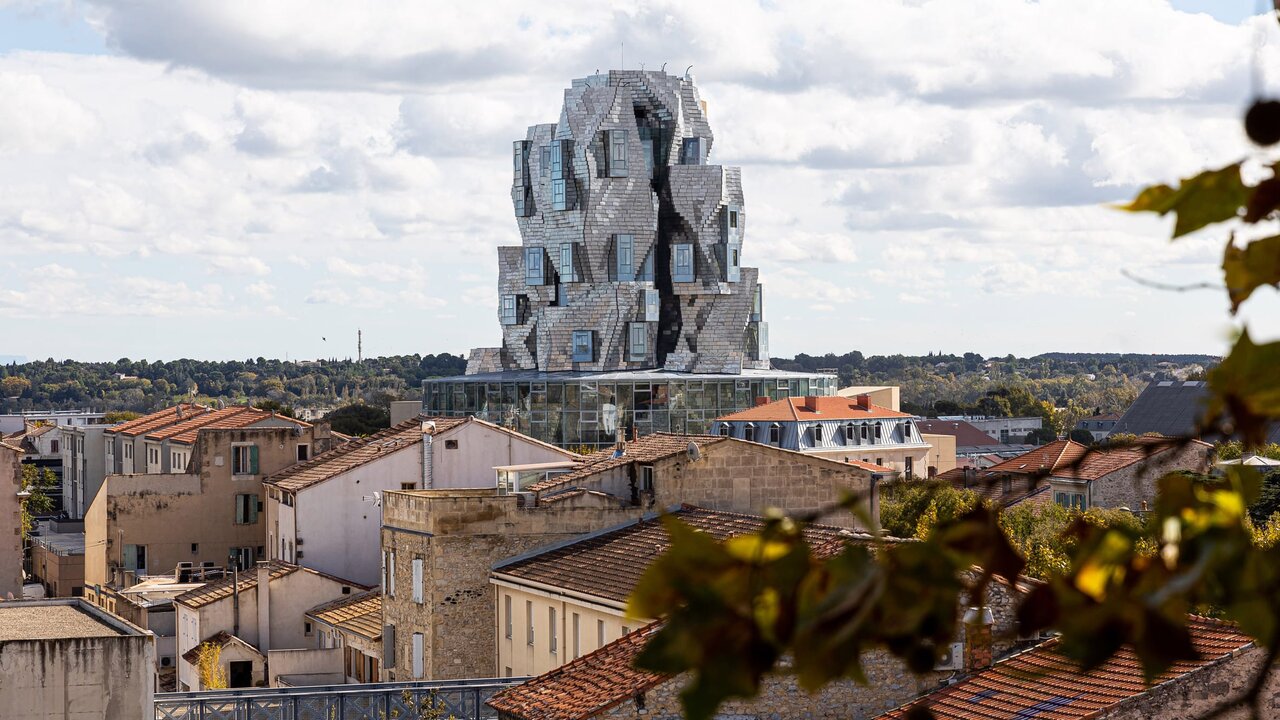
x=864 y=432
x=850 y=434
x=817 y=434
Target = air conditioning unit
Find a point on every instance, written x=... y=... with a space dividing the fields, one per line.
x=299 y=542
x=1026 y=635
x=952 y=659
x=299 y=554
x=166 y=661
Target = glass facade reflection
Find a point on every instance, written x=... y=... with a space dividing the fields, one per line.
x=588 y=409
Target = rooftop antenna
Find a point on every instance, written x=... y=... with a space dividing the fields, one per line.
x=664 y=67
x=686 y=73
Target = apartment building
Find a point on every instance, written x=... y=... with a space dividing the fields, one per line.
x=211 y=514
x=331 y=502
x=847 y=429
x=11 y=512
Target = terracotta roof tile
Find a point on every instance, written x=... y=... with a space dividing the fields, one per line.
x=824 y=408
x=222 y=639
x=360 y=614
x=238 y=420
x=152 y=421
x=1045 y=459
x=585 y=687
x=357 y=452
x=647 y=449
x=609 y=564
x=870 y=467
x=1043 y=683
x=200 y=419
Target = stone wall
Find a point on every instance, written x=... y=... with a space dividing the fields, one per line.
x=10 y=512
x=1134 y=486
x=459 y=535
x=1195 y=694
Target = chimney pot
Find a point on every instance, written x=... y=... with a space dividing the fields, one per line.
x=864 y=401
x=811 y=403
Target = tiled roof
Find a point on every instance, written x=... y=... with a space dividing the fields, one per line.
x=609 y=564
x=1070 y=460
x=222 y=639
x=200 y=419
x=966 y=435
x=1042 y=683
x=585 y=687
x=247 y=418
x=647 y=449
x=1045 y=459
x=360 y=614
x=824 y=408
x=990 y=486
x=214 y=591
x=160 y=418
x=14 y=448
x=356 y=453
x=870 y=467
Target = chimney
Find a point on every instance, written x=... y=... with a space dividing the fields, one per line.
x=811 y=403
x=264 y=607
x=635 y=433
x=970 y=475
x=977 y=639
x=762 y=400
x=863 y=401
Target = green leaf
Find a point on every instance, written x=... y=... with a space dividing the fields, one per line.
x=1264 y=200
x=1210 y=197
x=1246 y=389
x=1251 y=267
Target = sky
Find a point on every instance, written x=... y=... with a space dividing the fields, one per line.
x=234 y=179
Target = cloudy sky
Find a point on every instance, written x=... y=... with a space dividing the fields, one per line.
x=238 y=178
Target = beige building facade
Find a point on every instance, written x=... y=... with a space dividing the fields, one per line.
x=11 y=512
x=149 y=524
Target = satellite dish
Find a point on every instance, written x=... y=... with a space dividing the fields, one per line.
x=695 y=454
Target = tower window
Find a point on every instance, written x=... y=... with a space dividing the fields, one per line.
x=558 y=200
x=583 y=350
x=624 y=261
x=507 y=312
x=567 y=273
x=683 y=261
x=638 y=347
x=534 y=274
x=617 y=152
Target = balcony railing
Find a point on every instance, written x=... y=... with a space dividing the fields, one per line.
x=437 y=700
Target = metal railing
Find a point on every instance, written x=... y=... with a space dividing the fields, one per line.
x=436 y=700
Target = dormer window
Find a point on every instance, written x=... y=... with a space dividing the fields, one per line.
x=817 y=434
x=850 y=433
x=864 y=432
x=878 y=426
x=775 y=434
x=724 y=429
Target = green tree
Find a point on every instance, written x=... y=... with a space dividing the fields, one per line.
x=358 y=419
x=1080 y=435
x=35 y=483
x=14 y=385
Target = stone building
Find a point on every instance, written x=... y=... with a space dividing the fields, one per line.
x=439 y=546
x=1077 y=476
x=330 y=502
x=629 y=276
x=354 y=625
x=69 y=659
x=210 y=514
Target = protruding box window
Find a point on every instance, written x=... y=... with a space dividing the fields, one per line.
x=544 y=167
x=646 y=268
x=534 y=270
x=557 y=161
x=520 y=161
x=508 y=310
x=559 y=199
x=616 y=143
x=624 y=258
x=651 y=305
x=568 y=270
x=638 y=342
x=523 y=199
x=682 y=261
x=757 y=304
x=732 y=262
x=583 y=346
x=694 y=151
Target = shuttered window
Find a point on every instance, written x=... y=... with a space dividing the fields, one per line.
x=419 y=658
x=417 y=580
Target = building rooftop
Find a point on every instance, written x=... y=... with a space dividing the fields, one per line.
x=608 y=564
x=796 y=409
x=965 y=434
x=57 y=620
x=647 y=449
x=585 y=687
x=215 y=591
x=1043 y=683
x=151 y=421
x=360 y=614
x=622 y=376
x=236 y=416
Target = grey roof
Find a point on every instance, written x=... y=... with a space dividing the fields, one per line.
x=624 y=376
x=1170 y=408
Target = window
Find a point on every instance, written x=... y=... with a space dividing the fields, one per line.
x=725 y=429
x=817 y=434
x=624 y=259
x=520 y=161
x=544 y=167
x=53 y=447
x=552 y=636
x=506 y=614
x=577 y=636
x=646 y=478
x=878 y=431
x=304 y=452
x=582 y=346
x=243 y=557
x=450 y=444
x=732 y=268
x=775 y=434
x=417 y=580
x=626 y=630
x=558 y=190
x=247 y=509
x=128 y=452
x=864 y=432
x=683 y=260
x=692 y=153
x=638 y=345
x=599 y=634
x=651 y=305
x=507 y=310
x=417 y=654
x=306 y=629
x=244 y=459
x=534 y=274
x=733 y=219
x=1006 y=484
x=880 y=462
x=195 y=548
x=135 y=558
x=557 y=160
x=391 y=572
x=408 y=486
x=1074 y=501
x=909 y=467
x=616 y=146
x=567 y=273
x=528 y=621
x=906 y=432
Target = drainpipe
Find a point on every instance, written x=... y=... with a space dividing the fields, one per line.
x=428 y=455
x=264 y=612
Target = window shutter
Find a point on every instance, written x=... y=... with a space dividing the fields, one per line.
x=240 y=509
x=253 y=503
x=417 y=580
x=253 y=459
x=418 y=659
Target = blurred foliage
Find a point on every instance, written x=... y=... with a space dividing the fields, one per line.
x=36 y=482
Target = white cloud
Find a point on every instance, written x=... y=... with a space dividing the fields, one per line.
x=38 y=118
